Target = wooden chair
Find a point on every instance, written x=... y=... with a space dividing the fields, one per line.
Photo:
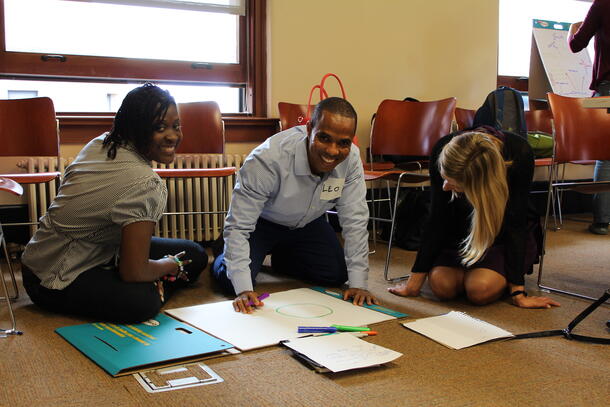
x=8 y=185
x=29 y=132
x=292 y=114
x=539 y=120
x=580 y=134
x=464 y=118
x=542 y=120
x=204 y=133
x=408 y=129
x=203 y=128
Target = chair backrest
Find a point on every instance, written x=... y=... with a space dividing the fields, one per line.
x=28 y=127
x=291 y=114
x=539 y=120
x=202 y=127
x=580 y=133
x=410 y=128
x=464 y=117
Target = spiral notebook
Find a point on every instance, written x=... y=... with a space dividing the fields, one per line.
x=457 y=330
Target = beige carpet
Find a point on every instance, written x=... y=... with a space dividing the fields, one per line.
x=40 y=369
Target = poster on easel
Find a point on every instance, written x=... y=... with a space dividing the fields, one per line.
x=553 y=66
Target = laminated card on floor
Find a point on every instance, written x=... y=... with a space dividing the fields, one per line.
x=122 y=349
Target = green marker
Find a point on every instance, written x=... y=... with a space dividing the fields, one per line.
x=346 y=328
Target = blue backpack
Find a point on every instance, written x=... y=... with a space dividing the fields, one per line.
x=503 y=110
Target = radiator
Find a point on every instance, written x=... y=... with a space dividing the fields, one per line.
x=40 y=196
x=197 y=194
x=184 y=195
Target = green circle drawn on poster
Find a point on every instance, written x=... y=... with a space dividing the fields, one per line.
x=310 y=310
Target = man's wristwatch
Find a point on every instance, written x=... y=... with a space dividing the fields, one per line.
x=517 y=292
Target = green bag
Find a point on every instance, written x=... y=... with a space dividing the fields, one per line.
x=541 y=143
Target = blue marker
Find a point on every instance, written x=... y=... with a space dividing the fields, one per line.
x=316 y=329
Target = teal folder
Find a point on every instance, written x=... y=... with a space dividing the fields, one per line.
x=123 y=349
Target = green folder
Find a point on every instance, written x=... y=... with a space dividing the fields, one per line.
x=123 y=349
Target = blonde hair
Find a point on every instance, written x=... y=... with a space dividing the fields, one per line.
x=474 y=160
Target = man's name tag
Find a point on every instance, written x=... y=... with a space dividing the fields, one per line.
x=332 y=189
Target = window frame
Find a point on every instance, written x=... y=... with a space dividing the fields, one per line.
x=249 y=73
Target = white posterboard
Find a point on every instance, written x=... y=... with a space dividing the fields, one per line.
x=278 y=320
x=553 y=66
x=457 y=330
x=341 y=352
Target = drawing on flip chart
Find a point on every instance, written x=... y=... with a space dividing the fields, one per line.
x=568 y=73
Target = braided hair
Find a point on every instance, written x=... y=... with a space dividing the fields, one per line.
x=135 y=120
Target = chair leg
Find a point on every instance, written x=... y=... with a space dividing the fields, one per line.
x=556 y=200
x=560 y=194
x=549 y=199
x=374 y=222
x=393 y=224
x=13 y=330
x=11 y=272
x=552 y=193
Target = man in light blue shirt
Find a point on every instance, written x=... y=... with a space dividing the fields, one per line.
x=282 y=193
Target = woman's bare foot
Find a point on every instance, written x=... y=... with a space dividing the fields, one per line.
x=399 y=289
x=411 y=287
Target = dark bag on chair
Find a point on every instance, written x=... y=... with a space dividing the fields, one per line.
x=411 y=215
x=503 y=110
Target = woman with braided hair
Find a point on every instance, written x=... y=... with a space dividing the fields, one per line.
x=94 y=254
x=480 y=238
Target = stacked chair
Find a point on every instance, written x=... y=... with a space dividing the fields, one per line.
x=580 y=136
x=405 y=128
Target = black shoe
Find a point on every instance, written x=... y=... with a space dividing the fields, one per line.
x=598 y=228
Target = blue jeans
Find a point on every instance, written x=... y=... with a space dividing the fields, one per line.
x=601 y=201
x=312 y=253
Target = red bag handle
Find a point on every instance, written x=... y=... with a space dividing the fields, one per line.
x=323 y=93
x=338 y=80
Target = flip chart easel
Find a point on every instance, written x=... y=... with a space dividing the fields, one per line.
x=553 y=66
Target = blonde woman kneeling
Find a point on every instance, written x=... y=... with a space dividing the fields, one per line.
x=481 y=235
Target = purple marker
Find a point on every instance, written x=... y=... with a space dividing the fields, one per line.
x=260 y=298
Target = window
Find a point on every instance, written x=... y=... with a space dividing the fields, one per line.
x=113 y=30
x=21 y=94
x=515 y=36
x=86 y=54
x=106 y=97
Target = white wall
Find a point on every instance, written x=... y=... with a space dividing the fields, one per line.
x=383 y=49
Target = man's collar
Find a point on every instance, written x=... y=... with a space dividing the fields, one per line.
x=301 y=162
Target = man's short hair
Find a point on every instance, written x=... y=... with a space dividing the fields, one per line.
x=334 y=105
